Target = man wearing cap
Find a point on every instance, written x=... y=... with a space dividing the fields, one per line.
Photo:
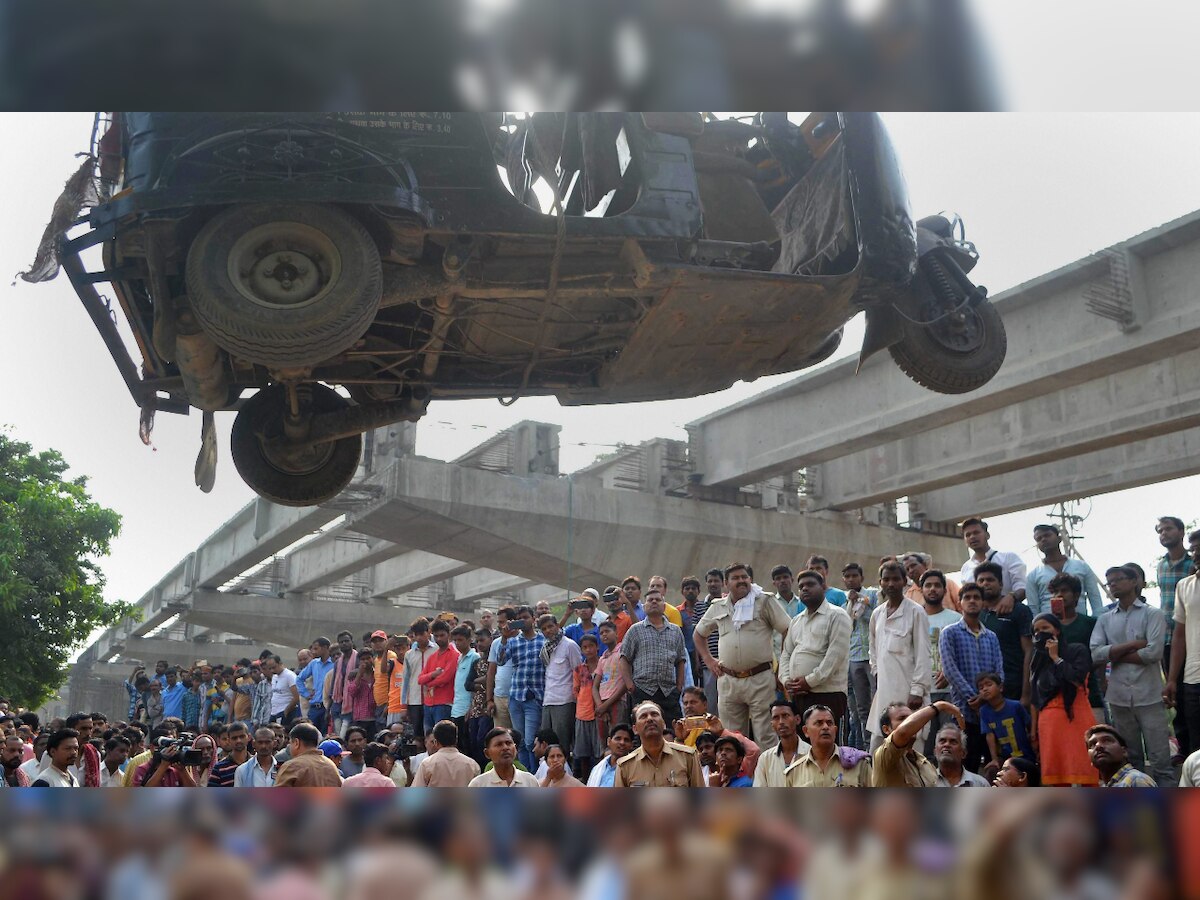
x=384 y=659
x=746 y=621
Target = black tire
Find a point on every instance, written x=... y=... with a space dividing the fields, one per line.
x=926 y=356
x=285 y=482
x=284 y=285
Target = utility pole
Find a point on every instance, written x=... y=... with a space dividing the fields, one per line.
x=1066 y=516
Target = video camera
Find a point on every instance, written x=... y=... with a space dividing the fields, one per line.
x=188 y=756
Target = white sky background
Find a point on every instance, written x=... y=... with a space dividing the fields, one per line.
x=1036 y=191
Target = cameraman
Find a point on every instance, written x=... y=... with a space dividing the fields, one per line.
x=172 y=766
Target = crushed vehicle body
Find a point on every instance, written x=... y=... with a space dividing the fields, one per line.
x=326 y=274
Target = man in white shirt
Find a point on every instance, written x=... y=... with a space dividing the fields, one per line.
x=815 y=663
x=285 y=696
x=501 y=749
x=620 y=744
x=899 y=649
x=32 y=767
x=259 y=770
x=777 y=767
x=116 y=754
x=561 y=656
x=1012 y=585
x=63 y=750
x=950 y=751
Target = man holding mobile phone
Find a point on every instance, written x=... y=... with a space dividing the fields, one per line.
x=584 y=607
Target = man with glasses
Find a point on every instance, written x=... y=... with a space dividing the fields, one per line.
x=1129 y=638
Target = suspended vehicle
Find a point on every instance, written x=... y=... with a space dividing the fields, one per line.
x=327 y=274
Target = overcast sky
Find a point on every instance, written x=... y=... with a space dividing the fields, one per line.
x=1036 y=191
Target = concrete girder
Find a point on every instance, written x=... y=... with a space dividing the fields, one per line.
x=483 y=584
x=294 y=621
x=148 y=650
x=414 y=570
x=521 y=526
x=1054 y=338
x=333 y=556
x=1125 y=408
x=261 y=529
x=1149 y=461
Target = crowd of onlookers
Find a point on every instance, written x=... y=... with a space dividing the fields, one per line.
x=990 y=674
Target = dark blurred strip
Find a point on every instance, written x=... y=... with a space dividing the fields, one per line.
x=489 y=54
x=130 y=844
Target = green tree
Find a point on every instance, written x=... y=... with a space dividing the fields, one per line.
x=52 y=536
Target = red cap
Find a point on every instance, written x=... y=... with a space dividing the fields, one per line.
x=379 y=634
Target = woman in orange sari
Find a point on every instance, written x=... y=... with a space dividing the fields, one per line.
x=1058 y=681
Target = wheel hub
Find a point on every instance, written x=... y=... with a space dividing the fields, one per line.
x=293 y=458
x=959 y=332
x=284 y=264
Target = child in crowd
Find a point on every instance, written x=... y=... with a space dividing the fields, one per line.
x=1004 y=723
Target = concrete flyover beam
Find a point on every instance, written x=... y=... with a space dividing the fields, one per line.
x=1058 y=335
x=1126 y=408
x=521 y=526
x=293 y=621
x=333 y=556
x=148 y=650
x=414 y=570
x=1150 y=461
x=261 y=529
x=483 y=584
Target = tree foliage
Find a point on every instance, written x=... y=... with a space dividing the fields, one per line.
x=52 y=536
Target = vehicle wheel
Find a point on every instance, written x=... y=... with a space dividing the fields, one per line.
x=955 y=355
x=284 y=285
x=291 y=475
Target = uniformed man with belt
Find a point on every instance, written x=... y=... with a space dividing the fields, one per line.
x=658 y=762
x=746 y=620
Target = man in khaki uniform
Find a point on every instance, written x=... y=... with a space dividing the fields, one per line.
x=658 y=762
x=746 y=621
x=897 y=762
x=825 y=764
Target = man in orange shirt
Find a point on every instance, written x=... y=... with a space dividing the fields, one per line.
x=586 y=747
x=617 y=612
x=397 y=711
x=384 y=659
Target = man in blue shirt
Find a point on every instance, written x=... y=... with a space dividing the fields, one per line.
x=620 y=744
x=832 y=594
x=172 y=696
x=583 y=606
x=318 y=667
x=968 y=649
x=632 y=588
x=1055 y=562
x=528 y=684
